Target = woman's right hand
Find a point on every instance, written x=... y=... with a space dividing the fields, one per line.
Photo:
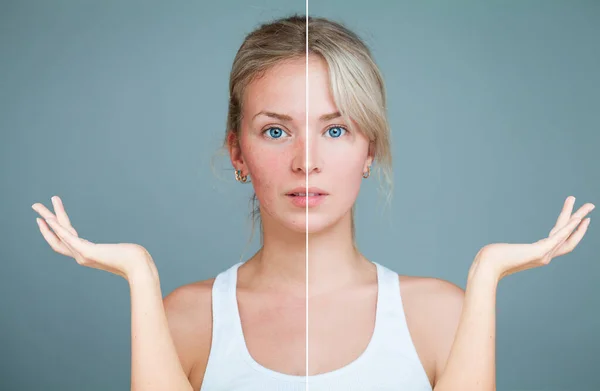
x=123 y=259
x=504 y=259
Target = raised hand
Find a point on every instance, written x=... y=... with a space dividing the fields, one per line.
x=122 y=259
x=507 y=258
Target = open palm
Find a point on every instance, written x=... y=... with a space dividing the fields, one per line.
x=510 y=258
x=120 y=258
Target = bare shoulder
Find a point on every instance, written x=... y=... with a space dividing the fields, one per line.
x=189 y=315
x=433 y=307
x=430 y=291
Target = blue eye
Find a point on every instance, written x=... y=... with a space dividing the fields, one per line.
x=336 y=131
x=274 y=132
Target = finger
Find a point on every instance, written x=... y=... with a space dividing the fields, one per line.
x=47 y=214
x=43 y=211
x=564 y=215
x=544 y=246
x=78 y=245
x=584 y=210
x=573 y=240
x=55 y=243
x=61 y=214
x=580 y=214
x=552 y=253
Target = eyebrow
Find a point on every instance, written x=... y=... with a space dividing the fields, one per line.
x=329 y=117
x=284 y=117
x=281 y=117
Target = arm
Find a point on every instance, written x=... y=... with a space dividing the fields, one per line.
x=155 y=364
x=471 y=362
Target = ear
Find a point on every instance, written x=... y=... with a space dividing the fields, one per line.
x=370 y=156
x=235 y=152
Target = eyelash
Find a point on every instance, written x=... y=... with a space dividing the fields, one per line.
x=271 y=127
x=337 y=126
x=326 y=130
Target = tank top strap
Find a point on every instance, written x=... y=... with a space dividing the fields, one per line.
x=392 y=323
x=390 y=302
x=226 y=330
x=222 y=289
x=390 y=308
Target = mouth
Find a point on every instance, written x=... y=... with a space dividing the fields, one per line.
x=298 y=194
x=306 y=192
x=307 y=198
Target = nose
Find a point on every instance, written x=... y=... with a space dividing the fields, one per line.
x=307 y=159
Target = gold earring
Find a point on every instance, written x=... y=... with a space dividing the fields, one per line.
x=368 y=173
x=239 y=177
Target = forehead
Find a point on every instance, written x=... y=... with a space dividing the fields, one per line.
x=282 y=89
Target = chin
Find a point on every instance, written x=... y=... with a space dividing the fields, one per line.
x=316 y=224
x=294 y=220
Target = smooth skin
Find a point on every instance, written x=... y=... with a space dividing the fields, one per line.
x=451 y=329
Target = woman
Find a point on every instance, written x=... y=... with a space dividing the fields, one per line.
x=368 y=327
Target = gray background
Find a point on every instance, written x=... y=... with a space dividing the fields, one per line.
x=119 y=106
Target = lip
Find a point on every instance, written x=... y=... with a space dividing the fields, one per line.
x=303 y=189
x=307 y=201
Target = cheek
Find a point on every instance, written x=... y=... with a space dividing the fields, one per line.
x=351 y=178
x=344 y=173
x=347 y=166
x=266 y=167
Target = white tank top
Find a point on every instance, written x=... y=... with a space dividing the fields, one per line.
x=390 y=361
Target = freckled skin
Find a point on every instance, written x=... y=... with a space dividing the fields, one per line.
x=277 y=165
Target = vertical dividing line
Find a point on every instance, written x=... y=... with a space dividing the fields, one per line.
x=306 y=210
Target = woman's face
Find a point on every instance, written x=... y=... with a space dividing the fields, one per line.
x=280 y=146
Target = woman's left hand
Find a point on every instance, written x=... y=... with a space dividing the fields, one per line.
x=504 y=259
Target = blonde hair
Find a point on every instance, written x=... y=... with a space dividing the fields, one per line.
x=355 y=81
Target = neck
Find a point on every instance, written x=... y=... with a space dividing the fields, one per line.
x=333 y=260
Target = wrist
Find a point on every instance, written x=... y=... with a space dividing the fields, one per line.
x=142 y=271
x=483 y=271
